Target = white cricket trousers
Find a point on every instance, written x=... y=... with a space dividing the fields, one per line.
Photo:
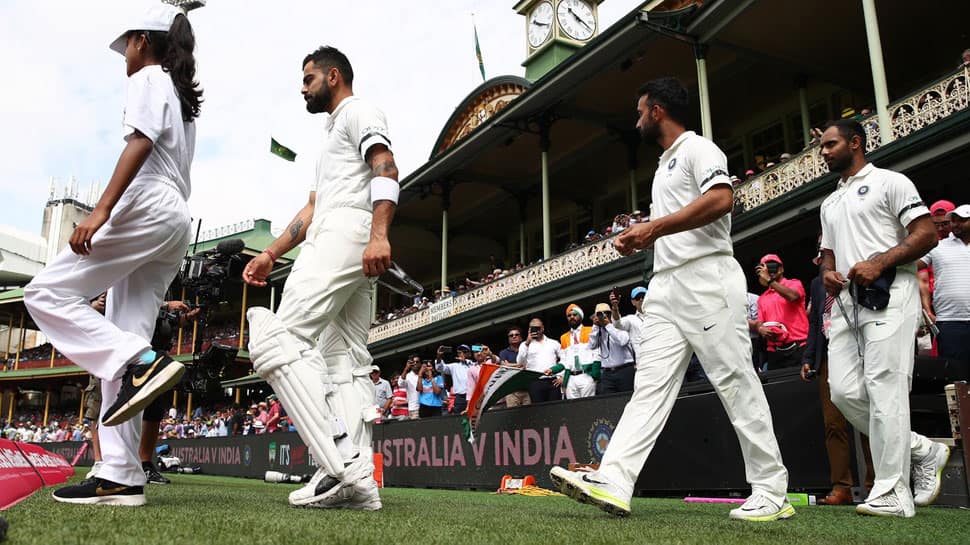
x=326 y=304
x=699 y=307
x=581 y=385
x=135 y=255
x=873 y=391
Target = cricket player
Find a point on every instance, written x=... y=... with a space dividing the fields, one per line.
x=313 y=351
x=697 y=304
x=874 y=228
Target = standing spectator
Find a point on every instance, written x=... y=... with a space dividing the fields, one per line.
x=538 y=354
x=273 y=415
x=409 y=380
x=399 y=400
x=578 y=359
x=458 y=370
x=510 y=356
x=815 y=364
x=632 y=324
x=781 y=314
x=951 y=294
x=939 y=213
x=615 y=352
x=874 y=228
x=431 y=389
x=382 y=390
x=262 y=417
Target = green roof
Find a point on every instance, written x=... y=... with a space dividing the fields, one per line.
x=256 y=239
x=44 y=372
x=12 y=296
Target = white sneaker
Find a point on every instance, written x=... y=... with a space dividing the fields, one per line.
x=758 y=508
x=927 y=475
x=365 y=497
x=94 y=470
x=326 y=487
x=592 y=488
x=895 y=503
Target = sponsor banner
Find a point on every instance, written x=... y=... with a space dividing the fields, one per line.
x=52 y=468
x=18 y=479
x=697 y=451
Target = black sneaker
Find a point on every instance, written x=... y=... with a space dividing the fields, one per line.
x=101 y=492
x=152 y=474
x=140 y=385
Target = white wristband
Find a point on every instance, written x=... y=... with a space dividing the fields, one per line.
x=383 y=188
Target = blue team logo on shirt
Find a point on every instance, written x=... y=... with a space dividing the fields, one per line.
x=863 y=190
x=672 y=164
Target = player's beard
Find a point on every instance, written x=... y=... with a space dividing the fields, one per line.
x=838 y=163
x=319 y=102
x=650 y=131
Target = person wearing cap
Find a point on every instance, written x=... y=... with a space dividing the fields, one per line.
x=132 y=243
x=782 y=321
x=615 y=352
x=874 y=229
x=696 y=305
x=950 y=308
x=939 y=213
x=383 y=395
x=632 y=324
x=458 y=371
x=313 y=350
x=539 y=353
x=578 y=367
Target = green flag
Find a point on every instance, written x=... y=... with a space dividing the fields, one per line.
x=478 y=52
x=279 y=149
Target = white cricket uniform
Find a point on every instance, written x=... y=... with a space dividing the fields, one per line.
x=136 y=254
x=697 y=303
x=325 y=304
x=574 y=357
x=868 y=214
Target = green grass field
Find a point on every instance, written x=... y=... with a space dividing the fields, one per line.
x=217 y=510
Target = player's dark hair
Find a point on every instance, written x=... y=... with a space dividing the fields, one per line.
x=847 y=129
x=330 y=57
x=175 y=51
x=670 y=94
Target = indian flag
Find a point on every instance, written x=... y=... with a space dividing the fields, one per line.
x=494 y=383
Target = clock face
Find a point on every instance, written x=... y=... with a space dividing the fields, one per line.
x=576 y=19
x=540 y=24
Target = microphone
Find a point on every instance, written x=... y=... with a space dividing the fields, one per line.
x=230 y=247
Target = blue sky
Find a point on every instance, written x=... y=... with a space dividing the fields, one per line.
x=63 y=93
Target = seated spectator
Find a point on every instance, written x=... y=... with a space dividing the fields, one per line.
x=781 y=314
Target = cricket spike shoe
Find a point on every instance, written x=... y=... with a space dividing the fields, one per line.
x=591 y=488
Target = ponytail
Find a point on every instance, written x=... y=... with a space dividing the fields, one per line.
x=175 y=51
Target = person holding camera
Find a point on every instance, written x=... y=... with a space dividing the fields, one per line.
x=580 y=367
x=874 y=229
x=539 y=353
x=782 y=321
x=431 y=389
x=409 y=380
x=615 y=349
x=509 y=356
x=458 y=371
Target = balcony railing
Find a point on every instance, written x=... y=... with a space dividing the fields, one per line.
x=929 y=105
x=933 y=103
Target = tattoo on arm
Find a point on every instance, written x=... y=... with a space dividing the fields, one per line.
x=385 y=168
x=295 y=228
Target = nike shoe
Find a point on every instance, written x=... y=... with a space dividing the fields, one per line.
x=898 y=502
x=141 y=384
x=365 y=496
x=94 y=470
x=589 y=487
x=325 y=487
x=758 y=508
x=927 y=475
x=152 y=474
x=101 y=492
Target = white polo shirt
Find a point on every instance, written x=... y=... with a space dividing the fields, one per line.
x=692 y=165
x=152 y=108
x=867 y=214
x=951 y=268
x=540 y=355
x=343 y=176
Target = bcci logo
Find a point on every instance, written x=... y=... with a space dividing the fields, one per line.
x=863 y=190
x=599 y=438
x=247 y=458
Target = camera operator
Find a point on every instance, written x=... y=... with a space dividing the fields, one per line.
x=615 y=350
x=540 y=353
x=781 y=314
x=431 y=388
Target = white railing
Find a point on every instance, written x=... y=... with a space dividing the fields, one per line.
x=583 y=258
x=939 y=100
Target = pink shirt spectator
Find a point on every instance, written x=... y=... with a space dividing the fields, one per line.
x=772 y=307
x=273 y=418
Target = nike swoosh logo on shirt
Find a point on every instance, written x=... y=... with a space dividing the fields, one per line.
x=710 y=326
x=138 y=381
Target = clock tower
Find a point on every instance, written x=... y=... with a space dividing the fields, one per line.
x=554 y=30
